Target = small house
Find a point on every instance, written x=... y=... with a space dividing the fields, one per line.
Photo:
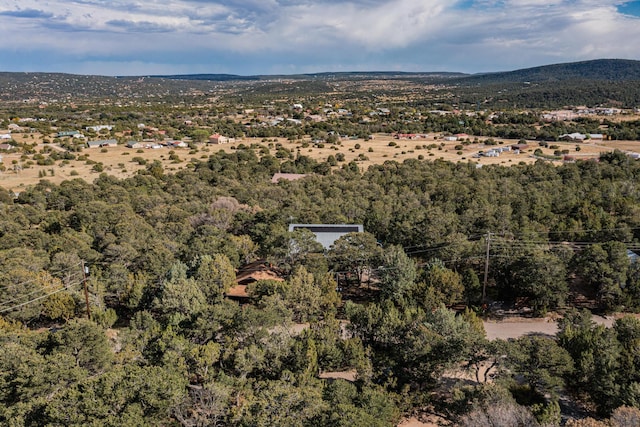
x=251 y=273
x=177 y=144
x=69 y=133
x=216 y=138
x=133 y=144
x=102 y=143
x=576 y=136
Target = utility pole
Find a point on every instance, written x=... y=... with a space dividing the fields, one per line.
x=486 y=268
x=85 y=270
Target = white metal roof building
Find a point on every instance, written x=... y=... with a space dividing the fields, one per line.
x=327 y=234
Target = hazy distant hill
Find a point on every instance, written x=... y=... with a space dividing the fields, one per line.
x=599 y=69
x=321 y=76
x=610 y=81
x=208 y=77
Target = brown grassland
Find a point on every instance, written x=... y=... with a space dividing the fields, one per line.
x=117 y=161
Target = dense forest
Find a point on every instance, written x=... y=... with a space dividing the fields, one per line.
x=164 y=345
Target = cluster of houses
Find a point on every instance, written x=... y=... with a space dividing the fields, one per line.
x=410 y=136
x=216 y=138
x=565 y=115
x=495 y=152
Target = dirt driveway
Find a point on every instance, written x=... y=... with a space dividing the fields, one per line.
x=517 y=327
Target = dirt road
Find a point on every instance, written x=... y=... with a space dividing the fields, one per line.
x=505 y=329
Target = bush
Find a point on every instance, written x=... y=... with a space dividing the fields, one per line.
x=139 y=160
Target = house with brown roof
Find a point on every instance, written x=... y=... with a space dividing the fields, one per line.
x=216 y=138
x=251 y=273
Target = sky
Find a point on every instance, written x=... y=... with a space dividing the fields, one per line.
x=250 y=37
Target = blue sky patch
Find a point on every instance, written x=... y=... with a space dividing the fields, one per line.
x=630 y=8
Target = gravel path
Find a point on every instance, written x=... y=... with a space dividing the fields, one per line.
x=514 y=328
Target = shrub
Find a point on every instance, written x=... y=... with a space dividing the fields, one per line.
x=139 y=160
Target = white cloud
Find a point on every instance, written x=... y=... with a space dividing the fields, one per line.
x=465 y=34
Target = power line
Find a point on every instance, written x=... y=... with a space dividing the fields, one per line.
x=15 y=285
x=4 y=310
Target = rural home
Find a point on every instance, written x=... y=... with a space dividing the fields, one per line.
x=69 y=133
x=574 y=136
x=409 y=136
x=133 y=144
x=102 y=143
x=250 y=273
x=98 y=128
x=327 y=234
x=5 y=136
x=177 y=144
x=216 y=138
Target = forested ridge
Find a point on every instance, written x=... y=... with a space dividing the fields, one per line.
x=612 y=82
x=165 y=346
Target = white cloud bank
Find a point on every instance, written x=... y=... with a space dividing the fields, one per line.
x=274 y=36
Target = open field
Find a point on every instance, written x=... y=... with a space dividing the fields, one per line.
x=118 y=161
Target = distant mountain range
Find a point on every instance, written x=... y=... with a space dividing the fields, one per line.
x=320 y=76
x=599 y=69
x=597 y=81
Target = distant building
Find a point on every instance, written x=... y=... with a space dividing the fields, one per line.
x=98 y=128
x=177 y=144
x=250 y=273
x=216 y=138
x=327 y=234
x=69 y=133
x=102 y=143
x=576 y=136
x=133 y=144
